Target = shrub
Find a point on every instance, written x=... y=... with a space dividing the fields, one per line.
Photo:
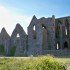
x=2 y=49
x=48 y=63
x=13 y=50
x=30 y=63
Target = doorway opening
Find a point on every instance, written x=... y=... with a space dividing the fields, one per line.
x=65 y=45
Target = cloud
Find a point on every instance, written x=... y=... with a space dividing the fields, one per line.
x=9 y=20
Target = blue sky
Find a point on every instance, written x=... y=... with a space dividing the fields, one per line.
x=21 y=11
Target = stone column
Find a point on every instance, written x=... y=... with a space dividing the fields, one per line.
x=60 y=36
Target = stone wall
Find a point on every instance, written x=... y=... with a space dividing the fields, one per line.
x=18 y=38
x=57 y=52
x=45 y=36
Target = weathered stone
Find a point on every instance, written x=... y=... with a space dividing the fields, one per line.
x=45 y=36
x=5 y=40
x=18 y=38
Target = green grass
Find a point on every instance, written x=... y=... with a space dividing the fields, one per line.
x=64 y=61
x=30 y=63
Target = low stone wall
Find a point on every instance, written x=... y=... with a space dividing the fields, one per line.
x=57 y=52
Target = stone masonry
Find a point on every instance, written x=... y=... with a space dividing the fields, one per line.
x=45 y=36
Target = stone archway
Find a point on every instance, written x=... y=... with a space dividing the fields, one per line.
x=65 y=45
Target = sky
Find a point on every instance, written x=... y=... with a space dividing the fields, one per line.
x=22 y=11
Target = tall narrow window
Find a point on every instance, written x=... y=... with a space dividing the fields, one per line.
x=66 y=26
x=66 y=31
x=34 y=32
x=57 y=47
x=34 y=28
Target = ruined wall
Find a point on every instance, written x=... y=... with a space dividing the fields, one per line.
x=5 y=40
x=34 y=44
x=63 y=32
x=45 y=36
x=18 y=38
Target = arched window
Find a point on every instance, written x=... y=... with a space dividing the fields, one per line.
x=66 y=27
x=34 y=28
x=43 y=26
x=57 y=46
x=34 y=32
x=17 y=35
x=66 y=32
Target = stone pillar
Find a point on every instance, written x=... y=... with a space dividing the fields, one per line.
x=61 y=37
x=53 y=32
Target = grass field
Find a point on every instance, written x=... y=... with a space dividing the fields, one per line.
x=34 y=63
x=65 y=61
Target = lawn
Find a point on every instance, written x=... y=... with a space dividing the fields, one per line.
x=65 y=61
x=34 y=63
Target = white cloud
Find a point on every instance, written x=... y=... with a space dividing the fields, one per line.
x=8 y=20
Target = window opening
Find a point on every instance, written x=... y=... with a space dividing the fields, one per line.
x=66 y=31
x=18 y=35
x=65 y=45
x=34 y=32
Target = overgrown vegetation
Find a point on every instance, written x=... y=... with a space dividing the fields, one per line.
x=65 y=61
x=13 y=50
x=30 y=63
x=2 y=49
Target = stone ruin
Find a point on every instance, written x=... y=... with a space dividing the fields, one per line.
x=45 y=36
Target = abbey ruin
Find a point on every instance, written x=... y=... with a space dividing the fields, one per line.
x=45 y=36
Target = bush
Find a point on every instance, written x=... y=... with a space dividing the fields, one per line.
x=2 y=49
x=13 y=50
x=30 y=63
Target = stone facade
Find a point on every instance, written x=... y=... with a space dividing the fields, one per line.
x=45 y=36
x=18 y=38
x=5 y=40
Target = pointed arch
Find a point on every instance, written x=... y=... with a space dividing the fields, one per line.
x=34 y=32
x=43 y=26
x=66 y=26
x=17 y=35
x=34 y=27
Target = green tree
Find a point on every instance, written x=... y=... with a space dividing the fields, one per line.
x=2 y=49
x=13 y=50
